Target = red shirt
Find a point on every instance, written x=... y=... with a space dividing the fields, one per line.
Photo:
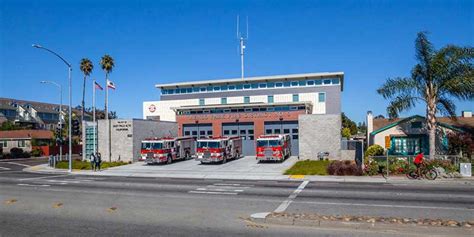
x=418 y=159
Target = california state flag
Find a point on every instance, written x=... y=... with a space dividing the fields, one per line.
x=110 y=84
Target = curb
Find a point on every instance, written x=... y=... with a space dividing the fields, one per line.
x=429 y=230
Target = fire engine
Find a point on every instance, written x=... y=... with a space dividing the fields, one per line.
x=166 y=149
x=218 y=149
x=273 y=147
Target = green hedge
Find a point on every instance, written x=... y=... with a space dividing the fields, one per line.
x=86 y=165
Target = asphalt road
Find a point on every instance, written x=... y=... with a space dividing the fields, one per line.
x=72 y=205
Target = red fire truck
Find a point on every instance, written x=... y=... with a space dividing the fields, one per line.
x=166 y=149
x=273 y=147
x=218 y=149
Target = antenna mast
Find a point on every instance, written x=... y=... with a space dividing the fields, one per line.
x=242 y=39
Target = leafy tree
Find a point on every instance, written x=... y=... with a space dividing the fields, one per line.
x=379 y=117
x=439 y=76
x=8 y=125
x=461 y=143
x=347 y=123
x=86 y=67
x=362 y=127
x=346 y=132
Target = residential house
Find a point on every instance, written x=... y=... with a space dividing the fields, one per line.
x=24 y=138
x=409 y=136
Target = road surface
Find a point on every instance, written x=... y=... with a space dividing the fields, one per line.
x=72 y=205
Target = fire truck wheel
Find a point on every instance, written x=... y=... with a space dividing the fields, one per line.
x=169 y=160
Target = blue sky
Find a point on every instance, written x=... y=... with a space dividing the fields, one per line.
x=170 y=41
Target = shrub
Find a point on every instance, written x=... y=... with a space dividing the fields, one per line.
x=374 y=150
x=16 y=152
x=344 y=167
x=37 y=152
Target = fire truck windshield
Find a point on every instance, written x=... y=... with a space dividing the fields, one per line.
x=267 y=143
x=208 y=144
x=152 y=145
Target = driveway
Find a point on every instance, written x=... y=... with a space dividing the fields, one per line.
x=243 y=168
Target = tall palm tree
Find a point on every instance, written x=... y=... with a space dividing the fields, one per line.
x=439 y=77
x=86 y=67
x=107 y=63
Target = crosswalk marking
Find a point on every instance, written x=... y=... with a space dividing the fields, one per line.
x=222 y=188
x=4 y=168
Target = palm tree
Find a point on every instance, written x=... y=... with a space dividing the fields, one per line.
x=107 y=64
x=86 y=67
x=440 y=76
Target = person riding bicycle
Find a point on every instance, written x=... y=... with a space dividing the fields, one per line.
x=418 y=163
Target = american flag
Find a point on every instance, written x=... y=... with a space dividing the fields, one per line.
x=97 y=86
x=110 y=84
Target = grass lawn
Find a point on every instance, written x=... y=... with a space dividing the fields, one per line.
x=309 y=167
x=86 y=165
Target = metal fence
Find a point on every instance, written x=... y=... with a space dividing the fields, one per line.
x=391 y=161
x=354 y=145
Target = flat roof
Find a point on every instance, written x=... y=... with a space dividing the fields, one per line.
x=306 y=103
x=253 y=79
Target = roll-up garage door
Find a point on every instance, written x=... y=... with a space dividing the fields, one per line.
x=245 y=131
x=197 y=130
x=285 y=127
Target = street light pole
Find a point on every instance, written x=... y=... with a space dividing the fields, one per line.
x=70 y=100
x=59 y=117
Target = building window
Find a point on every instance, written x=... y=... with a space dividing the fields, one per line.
x=296 y=98
x=224 y=88
x=286 y=84
x=232 y=87
x=3 y=143
x=246 y=86
x=21 y=143
x=327 y=82
x=335 y=81
x=279 y=84
x=239 y=87
x=201 y=102
x=263 y=85
x=270 y=84
x=247 y=99
x=321 y=97
x=270 y=99
x=254 y=86
x=268 y=131
x=294 y=83
x=310 y=83
x=302 y=83
x=224 y=101
x=318 y=82
x=416 y=124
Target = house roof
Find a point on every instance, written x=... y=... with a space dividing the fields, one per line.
x=256 y=79
x=460 y=124
x=26 y=134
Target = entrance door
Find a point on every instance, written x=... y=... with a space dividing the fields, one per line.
x=245 y=131
x=285 y=127
x=197 y=130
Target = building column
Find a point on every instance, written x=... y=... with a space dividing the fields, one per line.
x=259 y=127
x=216 y=128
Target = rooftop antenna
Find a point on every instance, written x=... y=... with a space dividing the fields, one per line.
x=242 y=38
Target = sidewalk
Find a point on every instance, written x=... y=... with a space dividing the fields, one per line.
x=120 y=171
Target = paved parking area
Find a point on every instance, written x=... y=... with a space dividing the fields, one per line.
x=243 y=168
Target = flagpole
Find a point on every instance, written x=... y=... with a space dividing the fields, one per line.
x=107 y=117
x=93 y=116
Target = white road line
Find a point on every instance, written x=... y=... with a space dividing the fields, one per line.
x=34 y=185
x=219 y=190
x=290 y=199
x=386 y=205
x=202 y=192
x=14 y=163
x=229 y=184
x=4 y=168
x=45 y=177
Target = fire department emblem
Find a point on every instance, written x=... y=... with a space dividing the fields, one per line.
x=152 y=108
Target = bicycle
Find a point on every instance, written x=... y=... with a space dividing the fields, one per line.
x=426 y=172
x=381 y=170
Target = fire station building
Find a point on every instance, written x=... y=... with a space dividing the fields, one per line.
x=253 y=107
